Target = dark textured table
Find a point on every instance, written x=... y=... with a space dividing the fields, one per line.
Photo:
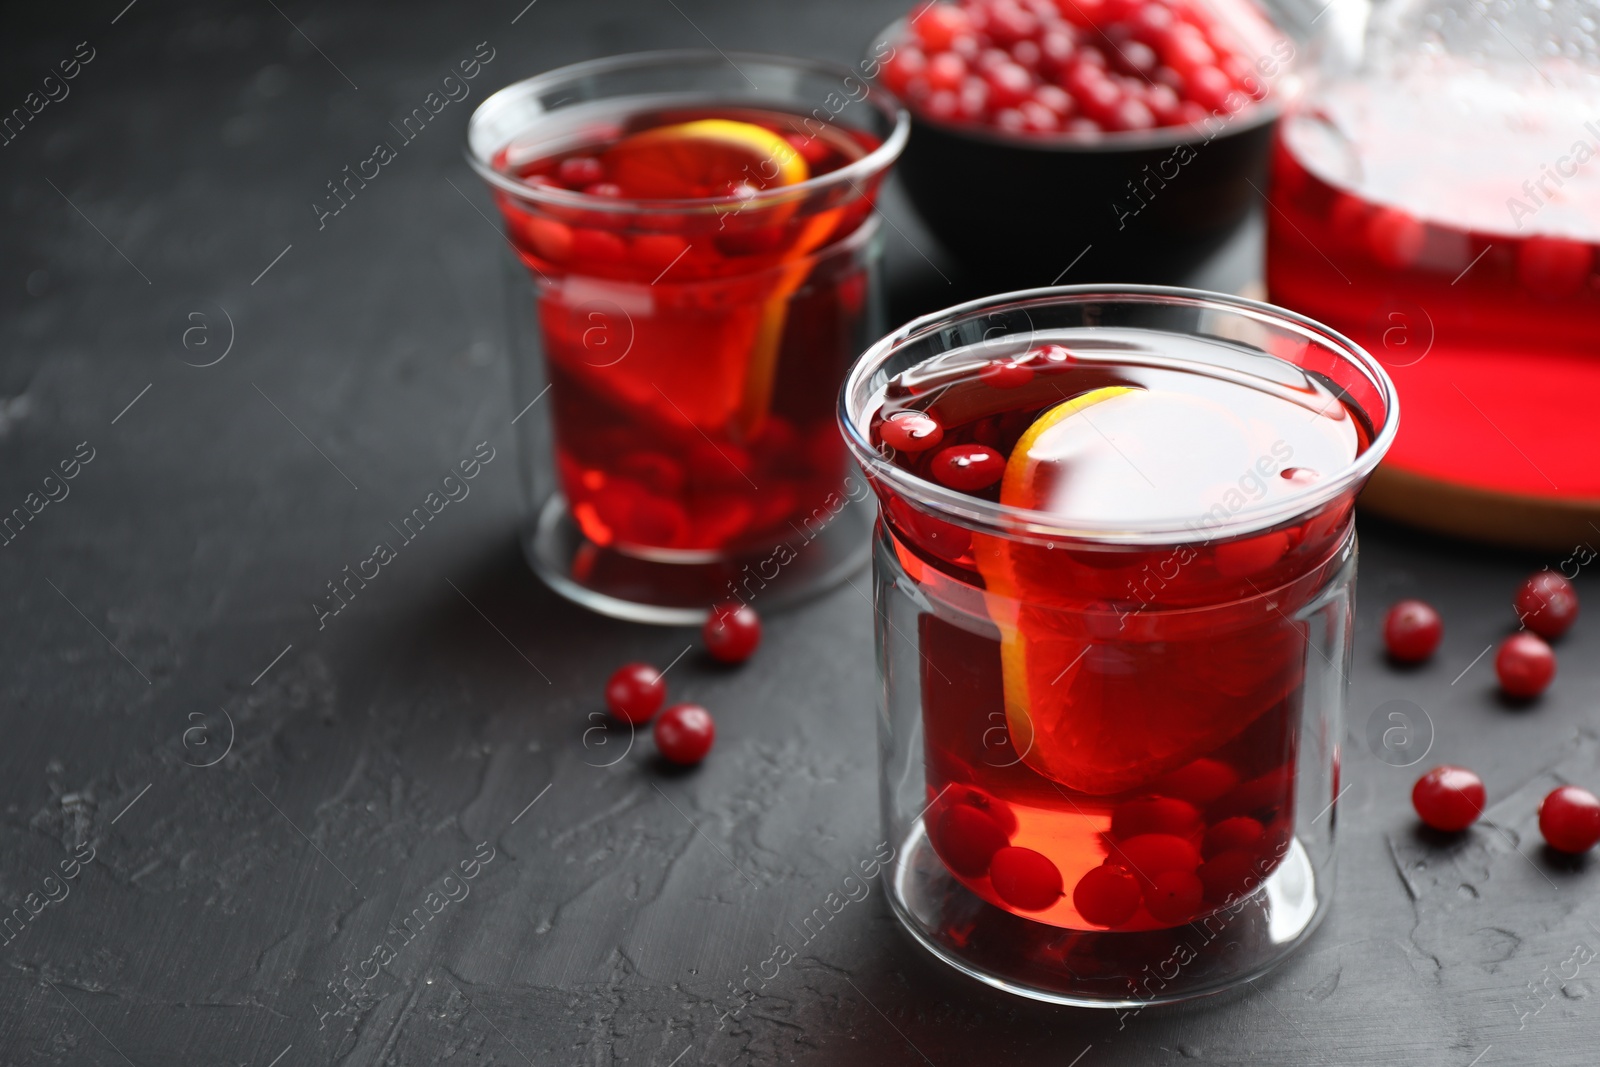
x=217 y=815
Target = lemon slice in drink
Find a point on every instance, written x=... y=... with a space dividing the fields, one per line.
x=706 y=158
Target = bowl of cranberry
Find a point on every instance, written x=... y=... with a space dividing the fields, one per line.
x=1124 y=132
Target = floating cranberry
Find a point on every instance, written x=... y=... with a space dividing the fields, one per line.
x=910 y=431
x=1525 y=665
x=1024 y=879
x=1448 y=798
x=1173 y=897
x=1238 y=832
x=967 y=839
x=576 y=172
x=684 y=733
x=1411 y=631
x=968 y=468
x=1200 y=782
x=1156 y=815
x=1106 y=896
x=609 y=190
x=1547 y=604
x=635 y=692
x=1569 y=819
x=732 y=632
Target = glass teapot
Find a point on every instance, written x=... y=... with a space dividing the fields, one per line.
x=1435 y=195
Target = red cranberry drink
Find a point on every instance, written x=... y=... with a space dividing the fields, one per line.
x=701 y=245
x=693 y=356
x=1124 y=539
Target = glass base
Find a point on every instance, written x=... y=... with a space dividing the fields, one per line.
x=666 y=592
x=1095 y=969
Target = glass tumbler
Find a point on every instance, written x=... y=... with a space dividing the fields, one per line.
x=1111 y=764
x=676 y=358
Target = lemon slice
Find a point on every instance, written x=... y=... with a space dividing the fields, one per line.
x=704 y=158
x=1007 y=594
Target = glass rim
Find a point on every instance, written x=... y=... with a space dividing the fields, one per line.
x=874 y=162
x=1256 y=114
x=984 y=516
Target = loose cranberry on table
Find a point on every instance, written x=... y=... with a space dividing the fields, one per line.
x=635 y=692
x=1411 y=631
x=1448 y=798
x=1569 y=819
x=1525 y=665
x=1043 y=67
x=684 y=733
x=1547 y=604
x=732 y=632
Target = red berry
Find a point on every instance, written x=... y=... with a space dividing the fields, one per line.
x=1025 y=879
x=944 y=106
x=1009 y=84
x=1184 y=49
x=1229 y=875
x=1135 y=57
x=1056 y=99
x=967 y=839
x=1569 y=819
x=910 y=431
x=611 y=190
x=1448 y=798
x=1010 y=23
x=732 y=632
x=1149 y=855
x=1525 y=665
x=635 y=692
x=898 y=70
x=968 y=468
x=1131 y=114
x=1026 y=54
x=1411 y=631
x=1173 y=897
x=1547 y=604
x=940 y=24
x=1241 y=831
x=578 y=171
x=1106 y=896
x=946 y=71
x=1006 y=374
x=1208 y=87
x=684 y=733
x=1036 y=118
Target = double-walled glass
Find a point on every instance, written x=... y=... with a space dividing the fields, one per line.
x=677 y=359
x=1194 y=724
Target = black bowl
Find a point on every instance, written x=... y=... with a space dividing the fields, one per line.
x=1140 y=206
